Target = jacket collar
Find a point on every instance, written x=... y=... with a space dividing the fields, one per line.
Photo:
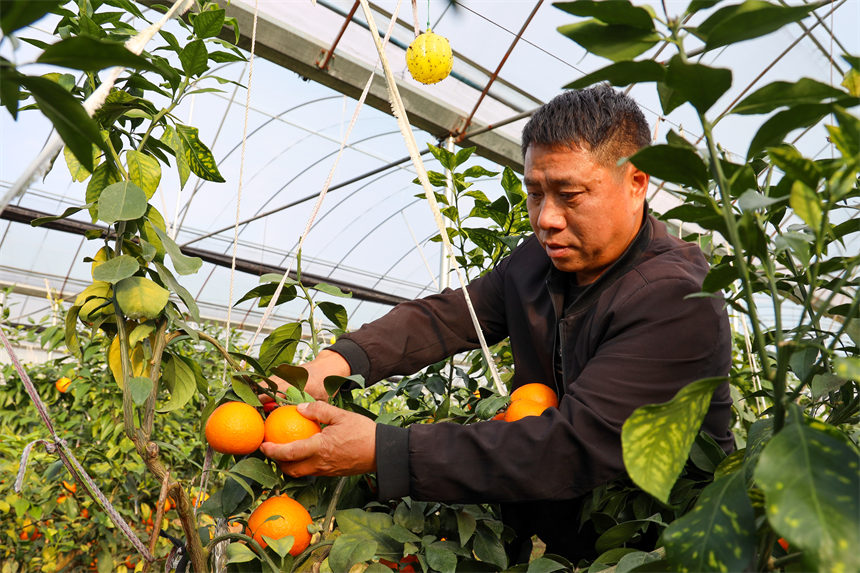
x=557 y=281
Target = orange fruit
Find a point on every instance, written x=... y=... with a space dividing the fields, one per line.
x=521 y=408
x=289 y=518
x=499 y=416
x=61 y=499
x=85 y=513
x=62 y=384
x=285 y=425
x=71 y=487
x=783 y=543
x=429 y=58
x=235 y=428
x=536 y=392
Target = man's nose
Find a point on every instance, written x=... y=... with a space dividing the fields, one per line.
x=552 y=215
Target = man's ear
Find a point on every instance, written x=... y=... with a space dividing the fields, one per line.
x=638 y=180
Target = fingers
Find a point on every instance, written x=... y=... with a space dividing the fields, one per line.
x=294 y=451
x=321 y=412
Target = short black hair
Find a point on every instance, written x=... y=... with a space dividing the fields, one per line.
x=598 y=119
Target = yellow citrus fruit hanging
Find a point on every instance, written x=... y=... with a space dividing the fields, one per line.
x=429 y=58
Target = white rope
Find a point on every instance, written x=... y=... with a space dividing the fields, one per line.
x=239 y=190
x=44 y=160
x=322 y=194
x=400 y=113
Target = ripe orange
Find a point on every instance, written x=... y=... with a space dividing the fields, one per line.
x=235 y=428
x=521 y=408
x=536 y=392
x=290 y=518
x=85 y=513
x=499 y=416
x=71 y=487
x=62 y=384
x=285 y=425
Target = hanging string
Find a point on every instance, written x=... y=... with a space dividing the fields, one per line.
x=428 y=15
x=402 y=121
x=239 y=190
x=267 y=313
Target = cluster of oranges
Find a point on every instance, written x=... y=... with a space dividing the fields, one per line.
x=238 y=428
x=529 y=400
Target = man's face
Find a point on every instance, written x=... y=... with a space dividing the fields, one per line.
x=584 y=214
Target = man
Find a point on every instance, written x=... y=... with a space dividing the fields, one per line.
x=595 y=307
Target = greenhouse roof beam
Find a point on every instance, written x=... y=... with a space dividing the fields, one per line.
x=282 y=44
x=23 y=215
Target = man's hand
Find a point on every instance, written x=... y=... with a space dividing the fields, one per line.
x=346 y=445
x=327 y=363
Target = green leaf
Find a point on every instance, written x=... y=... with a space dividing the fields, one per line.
x=92 y=54
x=282 y=545
x=795 y=165
x=847 y=367
x=123 y=201
x=16 y=14
x=76 y=170
x=258 y=470
x=239 y=553
x=806 y=205
x=280 y=346
x=349 y=549
x=296 y=375
x=243 y=391
x=466 y=524
x=75 y=126
x=811 y=485
x=656 y=438
x=822 y=384
x=178 y=375
x=208 y=23
x=545 y=565
x=786 y=94
x=619 y=12
x=102 y=177
x=614 y=42
x=440 y=558
x=752 y=200
x=265 y=292
x=488 y=547
x=333 y=383
x=73 y=343
x=168 y=279
x=194 y=58
x=139 y=333
x=752 y=19
x=718 y=534
x=698 y=84
x=619 y=534
x=774 y=130
x=183 y=264
x=622 y=74
x=67 y=213
x=116 y=269
x=332 y=290
x=171 y=139
x=335 y=313
x=462 y=156
x=198 y=157
x=371 y=526
x=144 y=171
x=674 y=164
x=141 y=388
x=847 y=135
x=139 y=297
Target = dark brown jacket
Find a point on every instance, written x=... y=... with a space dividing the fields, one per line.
x=629 y=339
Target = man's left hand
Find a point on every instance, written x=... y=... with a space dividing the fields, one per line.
x=346 y=445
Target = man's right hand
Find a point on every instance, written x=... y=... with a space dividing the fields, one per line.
x=327 y=363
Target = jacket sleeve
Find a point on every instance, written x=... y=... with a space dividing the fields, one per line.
x=656 y=342
x=421 y=332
